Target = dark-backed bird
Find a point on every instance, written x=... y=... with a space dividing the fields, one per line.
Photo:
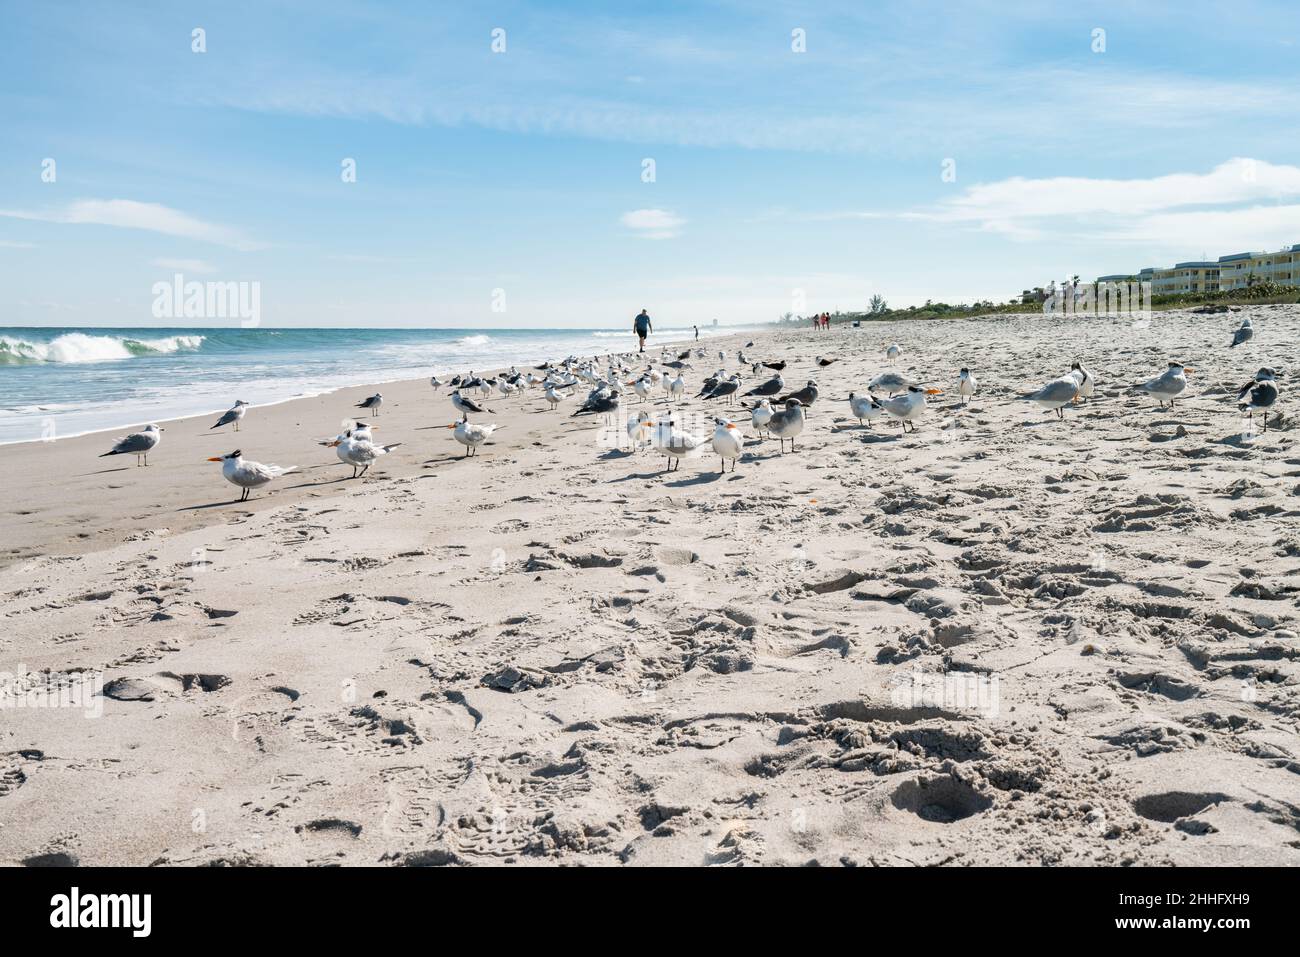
x=1258 y=395
x=139 y=444
x=772 y=386
x=233 y=416
x=373 y=403
x=1244 y=333
x=777 y=366
x=806 y=396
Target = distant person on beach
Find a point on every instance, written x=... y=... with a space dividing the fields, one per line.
x=697 y=331
x=641 y=326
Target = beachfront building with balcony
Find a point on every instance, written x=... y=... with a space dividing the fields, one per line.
x=1235 y=271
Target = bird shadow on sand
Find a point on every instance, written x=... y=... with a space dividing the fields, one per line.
x=616 y=454
x=124 y=468
x=703 y=478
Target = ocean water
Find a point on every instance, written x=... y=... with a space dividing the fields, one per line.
x=57 y=382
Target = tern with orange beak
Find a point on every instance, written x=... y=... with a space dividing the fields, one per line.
x=908 y=406
x=247 y=475
x=355 y=448
x=472 y=435
x=728 y=442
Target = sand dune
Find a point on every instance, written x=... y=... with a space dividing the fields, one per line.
x=1003 y=639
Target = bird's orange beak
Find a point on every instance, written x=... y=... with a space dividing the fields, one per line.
x=934 y=391
x=1186 y=370
x=452 y=426
x=731 y=425
x=216 y=458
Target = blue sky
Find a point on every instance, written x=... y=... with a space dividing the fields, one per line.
x=783 y=180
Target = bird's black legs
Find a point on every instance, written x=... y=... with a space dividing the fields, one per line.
x=1060 y=414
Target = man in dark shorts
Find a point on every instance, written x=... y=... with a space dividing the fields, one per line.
x=641 y=326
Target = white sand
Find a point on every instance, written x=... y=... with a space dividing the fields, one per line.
x=1004 y=639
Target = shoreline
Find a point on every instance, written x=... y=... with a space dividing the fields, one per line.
x=132 y=424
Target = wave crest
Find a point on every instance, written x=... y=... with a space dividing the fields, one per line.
x=75 y=347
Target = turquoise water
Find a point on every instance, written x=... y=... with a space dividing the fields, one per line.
x=57 y=382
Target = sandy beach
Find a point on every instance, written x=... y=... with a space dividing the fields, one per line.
x=1004 y=639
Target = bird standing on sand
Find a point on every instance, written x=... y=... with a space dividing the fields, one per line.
x=787 y=423
x=464 y=405
x=1259 y=395
x=775 y=366
x=773 y=386
x=1245 y=332
x=1087 y=384
x=236 y=413
x=1169 y=384
x=865 y=408
x=806 y=396
x=248 y=475
x=471 y=435
x=1054 y=396
x=908 y=406
x=966 y=385
x=554 y=396
x=601 y=403
x=759 y=416
x=726 y=389
x=373 y=403
x=639 y=428
x=675 y=445
x=728 y=442
x=139 y=444
x=893 y=352
x=676 y=387
x=824 y=362
x=355 y=448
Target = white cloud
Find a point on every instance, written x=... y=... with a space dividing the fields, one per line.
x=653 y=223
x=1238 y=205
x=130 y=214
x=201 y=266
x=10 y=244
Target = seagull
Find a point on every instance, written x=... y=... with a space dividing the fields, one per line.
x=1056 y=394
x=676 y=445
x=891 y=382
x=806 y=396
x=435 y=382
x=775 y=366
x=676 y=387
x=728 y=442
x=247 y=475
x=787 y=423
x=1245 y=332
x=824 y=362
x=464 y=405
x=865 y=407
x=893 y=352
x=359 y=452
x=471 y=435
x=759 y=416
x=908 y=406
x=1169 y=384
x=1262 y=391
x=139 y=444
x=725 y=389
x=600 y=403
x=966 y=385
x=234 y=415
x=1087 y=383
x=773 y=386
x=373 y=403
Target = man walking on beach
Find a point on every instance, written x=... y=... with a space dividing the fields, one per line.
x=641 y=326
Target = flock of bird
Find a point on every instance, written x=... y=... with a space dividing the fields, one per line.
x=773 y=408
